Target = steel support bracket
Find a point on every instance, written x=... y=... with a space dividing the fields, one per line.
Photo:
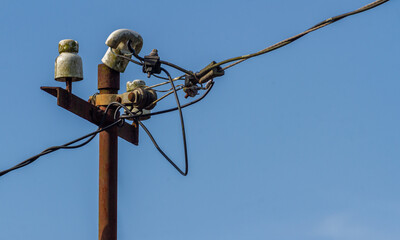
x=90 y=112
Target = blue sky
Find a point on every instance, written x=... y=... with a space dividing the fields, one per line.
x=301 y=143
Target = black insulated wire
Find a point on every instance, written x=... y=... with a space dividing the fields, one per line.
x=141 y=59
x=91 y=136
x=179 y=108
x=134 y=52
x=178 y=68
x=182 y=126
x=127 y=58
x=237 y=60
x=287 y=41
x=55 y=148
x=162 y=152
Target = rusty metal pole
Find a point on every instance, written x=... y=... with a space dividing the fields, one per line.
x=108 y=83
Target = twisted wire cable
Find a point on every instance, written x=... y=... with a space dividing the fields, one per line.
x=287 y=41
x=91 y=136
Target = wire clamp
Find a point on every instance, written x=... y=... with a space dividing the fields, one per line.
x=152 y=64
x=204 y=76
x=106 y=99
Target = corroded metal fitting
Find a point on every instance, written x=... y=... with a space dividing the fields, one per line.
x=142 y=98
x=68 y=64
x=106 y=99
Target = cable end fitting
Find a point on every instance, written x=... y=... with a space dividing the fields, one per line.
x=205 y=75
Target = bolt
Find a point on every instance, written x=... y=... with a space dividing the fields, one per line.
x=118 y=99
x=132 y=97
x=154 y=52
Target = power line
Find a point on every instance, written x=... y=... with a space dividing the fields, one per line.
x=287 y=41
x=236 y=61
x=184 y=173
x=91 y=136
x=239 y=59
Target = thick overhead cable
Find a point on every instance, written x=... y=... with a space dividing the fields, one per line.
x=65 y=146
x=287 y=41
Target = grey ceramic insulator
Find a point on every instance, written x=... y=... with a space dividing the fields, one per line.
x=118 y=45
x=68 y=64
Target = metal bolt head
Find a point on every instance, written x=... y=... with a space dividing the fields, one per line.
x=133 y=97
x=154 y=52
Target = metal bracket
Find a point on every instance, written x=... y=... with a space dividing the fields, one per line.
x=90 y=112
x=105 y=99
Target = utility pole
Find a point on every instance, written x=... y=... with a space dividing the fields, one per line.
x=122 y=44
x=108 y=85
x=100 y=109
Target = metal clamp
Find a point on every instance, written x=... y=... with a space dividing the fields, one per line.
x=105 y=99
x=213 y=73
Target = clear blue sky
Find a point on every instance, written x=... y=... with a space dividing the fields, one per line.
x=302 y=143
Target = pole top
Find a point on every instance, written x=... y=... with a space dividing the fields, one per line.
x=107 y=78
